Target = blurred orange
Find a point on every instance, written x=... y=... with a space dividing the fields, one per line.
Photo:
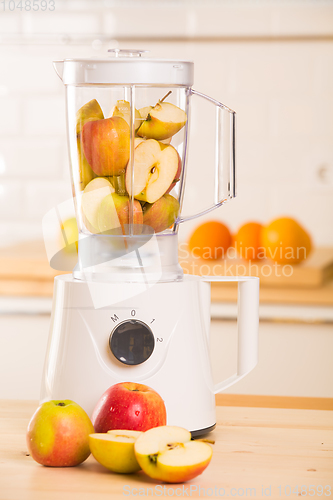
x=285 y=241
x=248 y=241
x=210 y=240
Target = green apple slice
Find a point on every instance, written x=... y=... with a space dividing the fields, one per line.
x=162 y=122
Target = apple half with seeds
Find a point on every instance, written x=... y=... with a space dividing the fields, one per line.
x=155 y=168
x=115 y=450
x=168 y=454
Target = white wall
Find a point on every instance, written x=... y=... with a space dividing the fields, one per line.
x=270 y=61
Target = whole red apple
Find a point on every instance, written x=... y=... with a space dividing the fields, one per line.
x=58 y=434
x=131 y=406
x=106 y=145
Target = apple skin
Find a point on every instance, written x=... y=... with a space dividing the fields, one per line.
x=58 y=434
x=177 y=176
x=106 y=145
x=115 y=450
x=89 y=112
x=113 y=215
x=161 y=214
x=130 y=406
x=167 y=454
x=162 y=122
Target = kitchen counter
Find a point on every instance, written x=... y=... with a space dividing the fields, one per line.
x=258 y=452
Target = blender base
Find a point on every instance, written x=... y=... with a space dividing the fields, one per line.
x=80 y=363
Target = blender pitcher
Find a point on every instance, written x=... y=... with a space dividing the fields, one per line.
x=127 y=313
x=128 y=131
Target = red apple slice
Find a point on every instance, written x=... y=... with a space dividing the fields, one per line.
x=155 y=168
x=167 y=454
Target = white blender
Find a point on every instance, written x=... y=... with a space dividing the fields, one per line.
x=127 y=313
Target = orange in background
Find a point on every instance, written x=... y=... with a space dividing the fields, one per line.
x=285 y=241
x=248 y=241
x=210 y=240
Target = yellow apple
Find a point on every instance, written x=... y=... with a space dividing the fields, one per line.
x=155 y=167
x=69 y=235
x=167 y=454
x=92 y=197
x=123 y=109
x=115 y=450
x=58 y=434
x=163 y=121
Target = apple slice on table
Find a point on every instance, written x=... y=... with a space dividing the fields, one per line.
x=92 y=197
x=155 y=167
x=167 y=454
x=115 y=450
x=123 y=109
x=106 y=145
x=89 y=112
x=162 y=122
x=161 y=214
x=113 y=215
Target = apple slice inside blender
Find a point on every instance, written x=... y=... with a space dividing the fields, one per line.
x=113 y=215
x=161 y=214
x=167 y=454
x=162 y=122
x=155 y=168
x=123 y=110
x=92 y=197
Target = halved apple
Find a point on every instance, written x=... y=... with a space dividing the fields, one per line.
x=162 y=122
x=115 y=450
x=155 y=167
x=92 y=197
x=123 y=109
x=167 y=454
x=161 y=214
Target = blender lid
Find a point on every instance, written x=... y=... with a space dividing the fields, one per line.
x=125 y=67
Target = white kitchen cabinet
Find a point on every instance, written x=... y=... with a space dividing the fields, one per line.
x=294 y=359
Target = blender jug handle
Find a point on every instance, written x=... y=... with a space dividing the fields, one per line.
x=225 y=152
x=248 y=323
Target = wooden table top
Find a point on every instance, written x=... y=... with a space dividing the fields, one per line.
x=266 y=451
